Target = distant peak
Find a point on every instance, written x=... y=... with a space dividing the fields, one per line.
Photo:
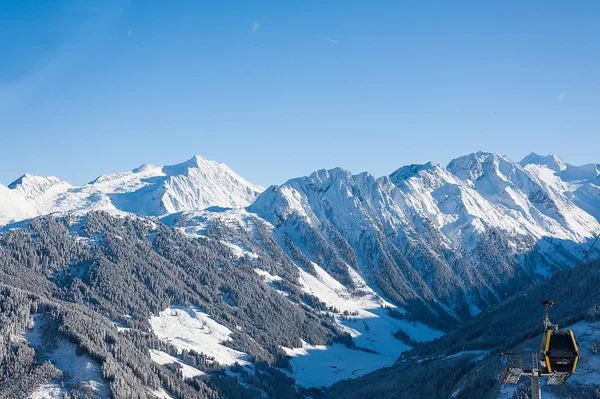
x=145 y=168
x=196 y=162
x=471 y=166
x=334 y=172
x=19 y=181
x=32 y=187
x=468 y=167
x=552 y=161
x=33 y=180
x=200 y=161
x=328 y=175
x=483 y=156
x=408 y=171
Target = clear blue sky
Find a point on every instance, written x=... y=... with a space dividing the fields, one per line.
x=278 y=89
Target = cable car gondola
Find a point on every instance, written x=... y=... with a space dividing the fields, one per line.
x=559 y=351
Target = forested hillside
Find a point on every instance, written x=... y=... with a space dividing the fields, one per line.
x=96 y=281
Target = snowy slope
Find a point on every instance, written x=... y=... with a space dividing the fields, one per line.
x=581 y=184
x=458 y=237
x=192 y=329
x=29 y=196
x=13 y=206
x=148 y=190
x=436 y=244
x=160 y=357
x=39 y=191
x=78 y=369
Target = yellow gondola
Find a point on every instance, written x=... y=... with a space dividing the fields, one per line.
x=559 y=353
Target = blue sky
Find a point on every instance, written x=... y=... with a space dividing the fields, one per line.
x=278 y=89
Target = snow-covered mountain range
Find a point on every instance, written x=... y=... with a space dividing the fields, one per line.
x=458 y=237
x=391 y=262
x=148 y=190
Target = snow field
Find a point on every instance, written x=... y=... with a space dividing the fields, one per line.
x=192 y=329
x=160 y=357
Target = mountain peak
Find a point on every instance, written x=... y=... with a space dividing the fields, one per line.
x=20 y=181
x=150 y=170
x=471 y=166
x=32 y=185
x=408 y=171
x=468 y=167
x=151 y=190
x=552 y=161
x=145 y=168
x=324 y=175
x=33 y=179
x=196 y=162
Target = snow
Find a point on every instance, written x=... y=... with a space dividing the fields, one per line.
x=51 y=390
x=267 y=277
x=161 y=190
x=29 y=196
x=581 y=184
x=553 y=162
x=542 y=200
x=77 y=370
x=192 y=329
x=39 y=190
x=160 y=357
x=161 y=394
x=120 y=326
x=322 y=366
x=13 y=207
x=476 y=354
x=366 y=310
x=240 y=252
x=195 y=223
